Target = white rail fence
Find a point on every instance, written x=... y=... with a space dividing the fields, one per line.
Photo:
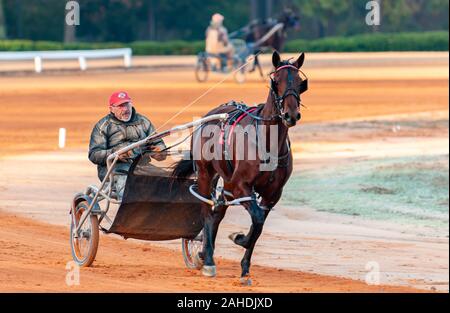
x=81 y=55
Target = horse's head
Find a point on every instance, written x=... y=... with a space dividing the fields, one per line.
x=286 y=87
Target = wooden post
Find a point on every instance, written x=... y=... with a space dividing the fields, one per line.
x=376 y=28
x=253 y=10
x=151 y=20
x=261 y=9
x=69 y=33
x=70 y=24
x=2 y=22
x=269 y=8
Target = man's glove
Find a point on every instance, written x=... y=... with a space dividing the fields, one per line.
x=157 y=154
x=125 y=157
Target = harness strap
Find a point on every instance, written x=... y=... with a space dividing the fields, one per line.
x=241 y=112
x=230 y=133
x=238 y=115
x=286 y=66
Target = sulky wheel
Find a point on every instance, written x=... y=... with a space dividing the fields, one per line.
x=191 y=252
x=240 y=75
x=201 y=70
x=84 y=248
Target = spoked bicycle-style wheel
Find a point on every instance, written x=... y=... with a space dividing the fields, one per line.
x=192 y=248
x=84 y=248
x=240 y=76
x=201 y=70
x=191 y=251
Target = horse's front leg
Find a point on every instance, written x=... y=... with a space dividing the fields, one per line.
x=218 y=215
x=204 y=188
x=209 y=267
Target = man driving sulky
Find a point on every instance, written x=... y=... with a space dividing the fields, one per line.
x=120 y=128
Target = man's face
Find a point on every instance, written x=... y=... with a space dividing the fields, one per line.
x=122 y=111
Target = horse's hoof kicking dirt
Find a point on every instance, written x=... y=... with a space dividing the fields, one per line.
x=209 y=271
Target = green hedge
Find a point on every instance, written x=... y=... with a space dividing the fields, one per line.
x=425 y=41
x=177 y=47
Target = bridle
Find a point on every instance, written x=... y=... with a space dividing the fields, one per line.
x=290 y=90
x=278 y=100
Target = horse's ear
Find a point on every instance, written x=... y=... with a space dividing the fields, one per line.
x=276 y=59
x=300 y=60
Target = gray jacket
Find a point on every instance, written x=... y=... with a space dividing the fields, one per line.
x=110 y=135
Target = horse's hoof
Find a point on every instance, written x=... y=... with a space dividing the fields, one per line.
x=246 y=281
x=209 y=271
x=233 y=236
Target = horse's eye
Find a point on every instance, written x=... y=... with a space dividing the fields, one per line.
x=274 y=83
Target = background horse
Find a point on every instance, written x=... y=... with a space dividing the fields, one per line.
x=258 y=29
x=243 y=177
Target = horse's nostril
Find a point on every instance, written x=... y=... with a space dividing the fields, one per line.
x=299 y=116
x=286 y=116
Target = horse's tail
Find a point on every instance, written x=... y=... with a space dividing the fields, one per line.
x=183 y=169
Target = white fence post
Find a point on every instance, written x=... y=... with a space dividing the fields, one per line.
x=127 y=59
x=83 y=64
x=38 y=64
x=62 y=138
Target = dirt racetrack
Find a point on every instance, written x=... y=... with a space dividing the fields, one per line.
x=34 y=254
x=38 y=105
x=34 y=257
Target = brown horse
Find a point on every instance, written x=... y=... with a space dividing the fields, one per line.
x=258 y=29
x=243 y=177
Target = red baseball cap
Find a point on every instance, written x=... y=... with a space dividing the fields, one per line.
x=118 y=98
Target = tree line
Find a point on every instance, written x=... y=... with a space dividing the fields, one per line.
x=161 y=20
